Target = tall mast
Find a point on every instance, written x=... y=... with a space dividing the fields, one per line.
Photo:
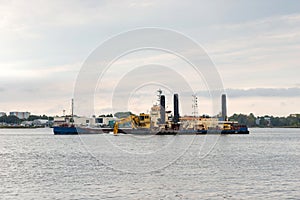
x=72 y=120
x=72 y=107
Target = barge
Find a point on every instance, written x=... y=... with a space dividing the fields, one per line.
x=159 y=122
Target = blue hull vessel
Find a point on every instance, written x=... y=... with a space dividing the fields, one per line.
x=65 y=130
x=69 y=130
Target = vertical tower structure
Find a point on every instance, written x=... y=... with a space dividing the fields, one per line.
x=195 y=106
x=162 y=109
x=176 y=109
x=224 y=107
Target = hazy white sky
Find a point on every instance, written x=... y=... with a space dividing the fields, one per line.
x=255 y=46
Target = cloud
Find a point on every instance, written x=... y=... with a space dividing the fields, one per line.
x=257 y=36
x=264 y=92
x=43 y=44
x=258 y=53
x=257 y=92
x=36 y=70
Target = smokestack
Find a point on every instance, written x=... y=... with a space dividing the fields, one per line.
x=162 y=109
x=224 y=107
x=176 y=109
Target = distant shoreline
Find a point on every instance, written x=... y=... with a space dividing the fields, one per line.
x=277 y=127
x=22 y=127
x=18 y=127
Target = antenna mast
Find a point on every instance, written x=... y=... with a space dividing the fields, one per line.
x=195 y=111
x=195 y=106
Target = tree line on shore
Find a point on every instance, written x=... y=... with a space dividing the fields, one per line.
x=267 y=121
x=11 y=119
x=249 y=120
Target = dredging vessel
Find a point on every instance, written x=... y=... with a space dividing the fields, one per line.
x=159 y=122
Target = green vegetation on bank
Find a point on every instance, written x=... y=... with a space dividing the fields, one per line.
x=250 y=120
x=34 y=117
x=11 y=119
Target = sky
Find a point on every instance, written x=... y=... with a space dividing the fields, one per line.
x=254 y=45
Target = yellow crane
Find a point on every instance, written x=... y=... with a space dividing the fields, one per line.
x=134 y=120
x=142 y=121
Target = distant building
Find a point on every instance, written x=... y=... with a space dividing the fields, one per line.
x=26 y=123
x=40 y=122
x=295 y=115
x=2 y=114
x=257 y=121
x=264 y=121
x=268 y=121
x=20 y=115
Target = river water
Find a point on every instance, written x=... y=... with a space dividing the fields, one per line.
x=35 y=164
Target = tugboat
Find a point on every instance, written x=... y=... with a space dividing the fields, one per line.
x=230 y=127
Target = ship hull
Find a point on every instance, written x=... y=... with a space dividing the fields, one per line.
x=181 y=132
x=161 y=132
x=57 y=130
x=234 y=132
x=79 y=130
x=86 y=130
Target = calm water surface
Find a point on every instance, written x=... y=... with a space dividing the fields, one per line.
x=35 y=164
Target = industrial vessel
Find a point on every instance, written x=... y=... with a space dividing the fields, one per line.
x=161 y=122
x=66 y=125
